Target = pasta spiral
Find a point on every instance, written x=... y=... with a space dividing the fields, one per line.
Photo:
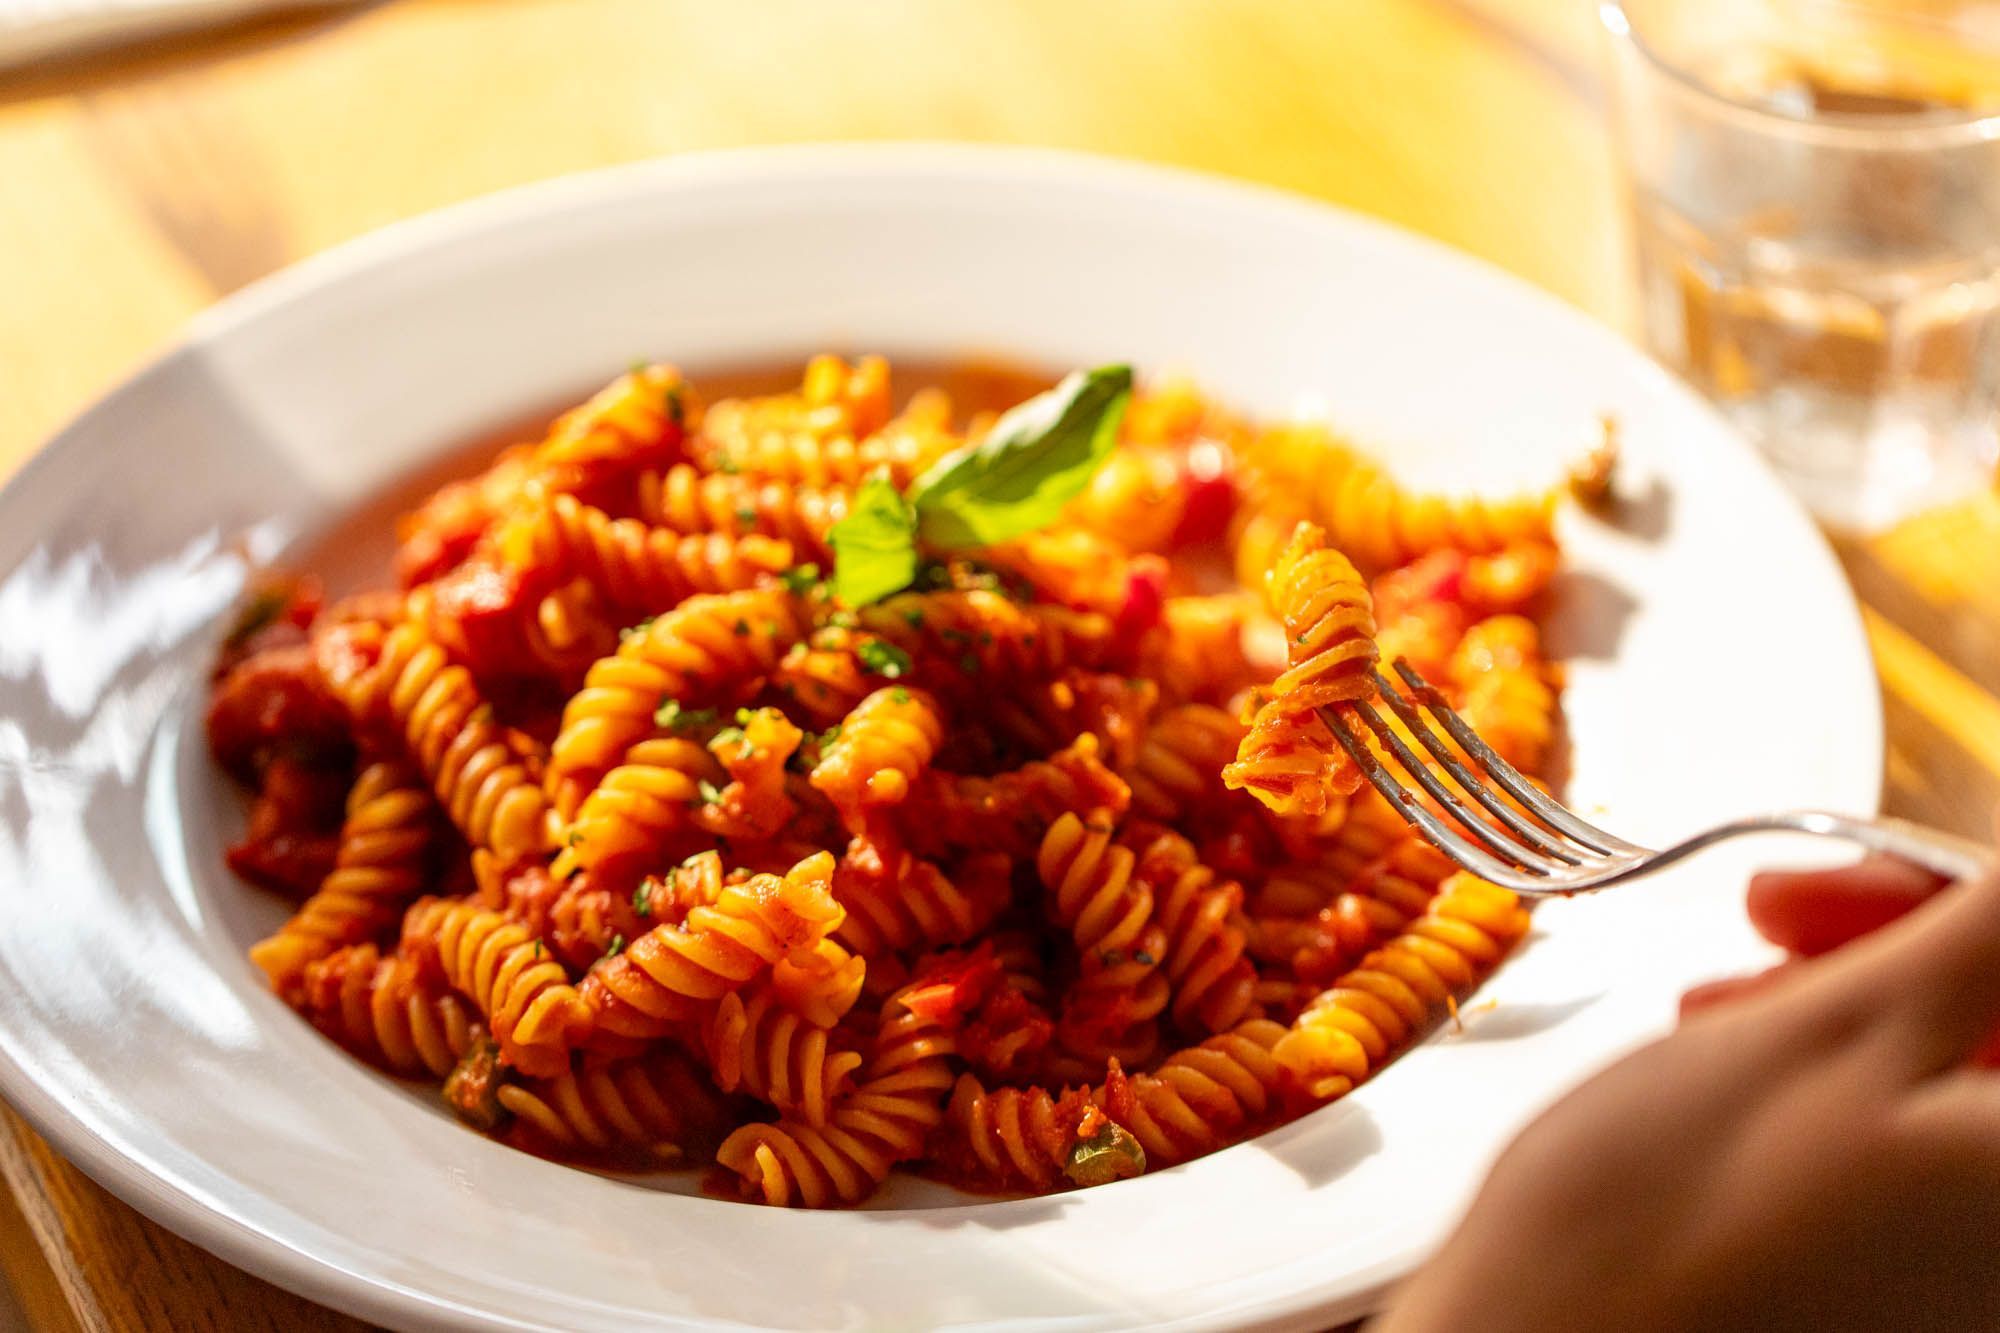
x=379 y=868
x=633 y=423
x=1200 y=1099
x=1504 y=691
x=817 y=436
x=882 y=748
x=685 y=499
x=905 y=904
x=504 y=969
x=1352 y=1028
x=1198 y=651
x=1096 y=896
x=1287 y=761
x=675 y=974
x=1374 y=519
x=483 y=782
x=640 y=808
x=823 y=679
x=1206 y=939
x=385 y=1010
x=1009 y=812
x=1179 y=762
x=707 y=647
x=1329 y=624
x=558 y=538
x=767 y=1050
x=974 y=638
x=1207 y=1096
x=884 y=1119
x=1111 y=1009
x=1047 y=716
x=1378 y=902
x=1014 y=1136
x=657 y=1104
x=1328 y=864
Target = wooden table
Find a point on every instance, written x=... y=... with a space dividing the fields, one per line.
x=140 y=188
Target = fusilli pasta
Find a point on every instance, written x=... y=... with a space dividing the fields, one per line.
x=1037 y=872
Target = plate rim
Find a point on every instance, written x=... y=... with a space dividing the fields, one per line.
x=381 y=1297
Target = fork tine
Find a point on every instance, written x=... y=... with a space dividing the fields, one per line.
x=1491 y=838
x=1549 y=811
x=1446 y=839
x=1524 y=828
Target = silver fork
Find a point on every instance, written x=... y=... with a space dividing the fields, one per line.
x=1536 y=846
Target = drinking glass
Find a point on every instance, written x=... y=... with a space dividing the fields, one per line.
x=1816 y=194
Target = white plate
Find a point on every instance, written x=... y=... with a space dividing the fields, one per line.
x=1718 y=668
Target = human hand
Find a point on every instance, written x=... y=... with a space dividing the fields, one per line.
x=1812 y=912
x=1809 y=1150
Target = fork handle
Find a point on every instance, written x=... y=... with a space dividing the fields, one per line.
x=1936 y=851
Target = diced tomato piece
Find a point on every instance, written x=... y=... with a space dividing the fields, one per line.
x=272 y=701
x=1210 y=504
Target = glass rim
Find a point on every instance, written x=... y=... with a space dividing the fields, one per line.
x=1941 y=127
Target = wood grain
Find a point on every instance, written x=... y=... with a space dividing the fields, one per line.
x=115 y=1270
x=141 y=187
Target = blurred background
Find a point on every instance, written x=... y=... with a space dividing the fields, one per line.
x=156 y=155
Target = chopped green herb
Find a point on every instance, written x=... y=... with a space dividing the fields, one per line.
x=883 y=658
x=731 y=736
x=800 y=578
x=538 y=948
x=676 y=405
x=1110 y=1154
x=747 y=515
x=830 y=735
x=472 y=1089
x=709 y=792
x=631 y=632
x=742 y=628
x=744 y=717
x=914 y=617
x=263 y=608
x=727 y=466
x=901 y=696
x=986 y=638
x=616 y=947
x=574 y=837
x=844 y=620
x=642 y=897
x=951 y=634
x=673 y=717
x=1143 y=959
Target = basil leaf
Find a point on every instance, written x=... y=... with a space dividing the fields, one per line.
x=1037 y=458
x=875 y=545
